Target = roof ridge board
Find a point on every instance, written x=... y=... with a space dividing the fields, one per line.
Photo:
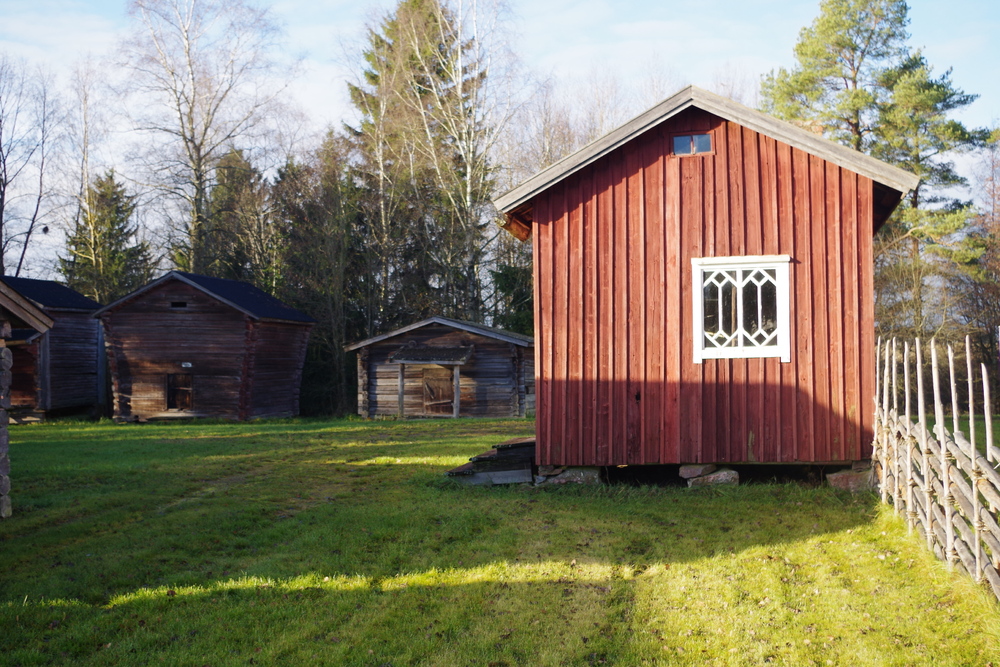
x=731 y=110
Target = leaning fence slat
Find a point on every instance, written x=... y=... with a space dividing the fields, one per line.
x=939 y=427
x=970 y=378
x=986 y=415
x=884 y=444
x=911 y=518
x=954 y=390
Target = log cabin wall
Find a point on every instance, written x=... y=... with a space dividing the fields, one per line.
x=24 y=378
x=279 y=352
x=612 y=248
x=496 y=382
x=154 y=335
x=70 y=361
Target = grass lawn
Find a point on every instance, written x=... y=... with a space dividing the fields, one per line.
x=341 y=543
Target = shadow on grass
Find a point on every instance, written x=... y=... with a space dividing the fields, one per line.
x=303 y=538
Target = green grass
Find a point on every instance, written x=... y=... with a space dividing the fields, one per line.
x=341 y=543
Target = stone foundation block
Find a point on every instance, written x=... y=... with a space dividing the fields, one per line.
x=696 y=470
x=720 y=476
x=577 y=476
x=850 y=480
x=5 y=507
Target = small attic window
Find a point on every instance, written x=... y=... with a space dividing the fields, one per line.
x=692 y=144
x=178 y=304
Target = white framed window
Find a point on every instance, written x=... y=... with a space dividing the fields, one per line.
x=741 y=307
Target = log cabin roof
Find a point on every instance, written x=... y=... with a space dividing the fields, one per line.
x=516 y=205
x=24 y=313
x=471 y=327
x=242 y=296
x=52 y=295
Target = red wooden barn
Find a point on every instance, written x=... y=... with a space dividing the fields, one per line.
x=703 y=290
x=187 y=345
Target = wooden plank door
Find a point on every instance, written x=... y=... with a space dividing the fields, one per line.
x=439 y=390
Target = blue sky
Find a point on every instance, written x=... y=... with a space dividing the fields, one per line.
x=559 y=38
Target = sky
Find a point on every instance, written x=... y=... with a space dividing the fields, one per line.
x=565 y=41
x=560 y=39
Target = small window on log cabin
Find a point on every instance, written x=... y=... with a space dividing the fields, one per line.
x=179 y=391
x=692 y=144
x=178 y=304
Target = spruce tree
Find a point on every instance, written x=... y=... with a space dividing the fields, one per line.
x=104 y=259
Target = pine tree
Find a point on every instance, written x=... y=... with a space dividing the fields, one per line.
x=837 y=86
x=925 y=238
x=104 y=259
x=857 y=82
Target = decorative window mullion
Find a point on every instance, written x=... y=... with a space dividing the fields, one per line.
x=764 y=280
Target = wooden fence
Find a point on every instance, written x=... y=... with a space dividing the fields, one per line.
x=944 y=486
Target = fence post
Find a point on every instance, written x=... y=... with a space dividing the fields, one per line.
x=954 y=391
x=925 y=450
x=884 y=453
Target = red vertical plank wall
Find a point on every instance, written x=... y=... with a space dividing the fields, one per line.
x=613 y=245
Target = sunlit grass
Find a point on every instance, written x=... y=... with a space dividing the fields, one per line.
x=341 y=543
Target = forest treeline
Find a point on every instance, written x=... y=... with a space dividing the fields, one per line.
x=389 y=218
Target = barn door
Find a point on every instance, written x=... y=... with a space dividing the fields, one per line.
x=439 y=390
x=179 y=391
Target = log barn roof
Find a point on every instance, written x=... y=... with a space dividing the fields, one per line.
x=471 y=327
x=50 y=294
x=242 y=296
x=516 y=204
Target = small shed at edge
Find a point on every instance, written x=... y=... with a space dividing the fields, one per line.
x=442 y=367
x=62 y=368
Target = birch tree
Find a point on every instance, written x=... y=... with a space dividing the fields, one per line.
x=29 y=124
x=202 y=79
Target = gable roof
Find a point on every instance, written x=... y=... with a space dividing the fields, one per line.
x=889 y=176
x=471 y=327
x=50 y=294
x=23 y=310
x=242 y=296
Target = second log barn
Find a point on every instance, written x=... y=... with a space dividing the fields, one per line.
x=62 y=369
x=188 y=345
x=703 y=290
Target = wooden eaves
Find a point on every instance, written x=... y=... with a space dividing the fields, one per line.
x=471 y=327
x=515 y=206
x=23 y=309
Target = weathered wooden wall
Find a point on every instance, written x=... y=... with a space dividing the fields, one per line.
x=496 y=382
x=275 y=377
x=71 y=356
x=612 y=249
x=147 y=338
x=59 y=369
x=24 y=378
x=6 y=362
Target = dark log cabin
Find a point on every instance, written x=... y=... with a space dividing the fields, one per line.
x=703 y=290
x=443 y=367
x=61 y=369
x=187 y=345
x=16 y=312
